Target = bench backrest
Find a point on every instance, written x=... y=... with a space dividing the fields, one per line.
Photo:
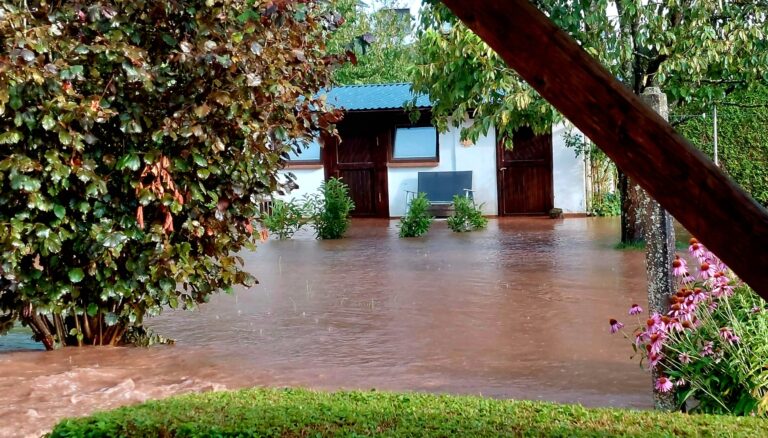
x=442 y=186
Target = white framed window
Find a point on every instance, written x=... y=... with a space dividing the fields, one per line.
x=415 y=144
x=308 y=154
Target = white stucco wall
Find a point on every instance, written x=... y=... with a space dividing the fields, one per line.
x=480 y=158
x=309 y=181
x=569 y=174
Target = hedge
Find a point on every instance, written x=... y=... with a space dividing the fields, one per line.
x=300 y=413
x=743 y=139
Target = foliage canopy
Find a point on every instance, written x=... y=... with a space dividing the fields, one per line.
x=380 y=40
x=138 y=137
x=697 y=52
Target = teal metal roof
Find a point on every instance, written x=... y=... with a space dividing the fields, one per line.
x=371 y=97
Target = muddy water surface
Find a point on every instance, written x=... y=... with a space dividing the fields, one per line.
x=517 y=311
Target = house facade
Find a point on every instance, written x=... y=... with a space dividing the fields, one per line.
x=381 y=152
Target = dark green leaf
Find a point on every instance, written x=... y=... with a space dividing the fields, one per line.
x=76 y=275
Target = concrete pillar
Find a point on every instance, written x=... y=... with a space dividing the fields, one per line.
x=660 y=249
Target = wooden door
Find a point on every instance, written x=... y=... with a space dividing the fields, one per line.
x=525 y=174
x=359 y=159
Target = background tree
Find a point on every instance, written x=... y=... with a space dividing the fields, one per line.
x=138 y=137
x=380 y=36
x=696 y=51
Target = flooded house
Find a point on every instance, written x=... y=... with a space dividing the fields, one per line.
x=384 y=156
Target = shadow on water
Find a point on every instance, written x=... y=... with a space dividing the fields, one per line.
x=520 y=311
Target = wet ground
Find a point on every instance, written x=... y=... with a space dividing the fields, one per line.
x=517 y=311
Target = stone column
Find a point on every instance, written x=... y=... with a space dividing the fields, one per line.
x=660 y=250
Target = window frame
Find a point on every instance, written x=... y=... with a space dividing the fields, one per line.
x=310 y=163
x=417 y=161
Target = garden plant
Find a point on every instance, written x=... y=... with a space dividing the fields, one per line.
x=466 y=215
x=285 y=218
x=417 y=220
x=712 y=346
x=330 y=209
x=138 y=137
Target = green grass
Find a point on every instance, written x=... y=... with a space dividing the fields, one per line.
x=304 y=413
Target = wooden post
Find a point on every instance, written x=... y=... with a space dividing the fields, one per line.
x=682 y=179
x=659 y=238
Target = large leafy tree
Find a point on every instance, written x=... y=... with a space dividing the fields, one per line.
x=696 y=51
x=137 y=138
x=380 y=38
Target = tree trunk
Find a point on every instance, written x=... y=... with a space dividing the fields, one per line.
x=631 y=217
x=55 y=332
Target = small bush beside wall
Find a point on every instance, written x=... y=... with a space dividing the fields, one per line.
x=417 y=220
x=285 y=219
x=330 y=209
x=605 y=204
x=467 y=216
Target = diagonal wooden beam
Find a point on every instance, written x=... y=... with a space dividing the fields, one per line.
x=641 y=143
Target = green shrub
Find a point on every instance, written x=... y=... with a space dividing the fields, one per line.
x=298 y=412
x=135 y=137
x=605 y=204
x=330 y=209
x=417 y=220
x=466 y=215
x=285 y=219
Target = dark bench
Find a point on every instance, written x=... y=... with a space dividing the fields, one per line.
x=441 y=187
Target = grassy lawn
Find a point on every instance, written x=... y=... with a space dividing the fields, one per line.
x=304 y=413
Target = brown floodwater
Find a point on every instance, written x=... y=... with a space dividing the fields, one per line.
x=517 y=311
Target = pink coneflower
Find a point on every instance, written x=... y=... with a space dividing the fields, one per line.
x=712 y=306
x=654 y=359
x=679 y=267
x=698 y=295
x=708 y=257
x=615 y=325
x=635 y=310
x=696 y=249
x=706 y=350
x=684 y=358
x=722 y=290
x=675 y=325
x=678 y=309
x=757 y=309
x=721 y=277
x=663 y=384
x=657 y=342
x=727 y=334
x=688 y=278
x=706 y=271
x=653 y=324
